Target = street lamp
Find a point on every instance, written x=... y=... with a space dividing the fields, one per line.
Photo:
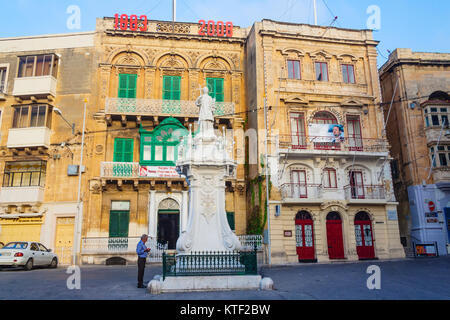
x=72 y=125
x=79 y=216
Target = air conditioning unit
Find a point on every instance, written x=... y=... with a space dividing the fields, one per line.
x=72 y=170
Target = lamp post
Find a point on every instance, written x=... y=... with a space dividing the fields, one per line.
x=79 y=217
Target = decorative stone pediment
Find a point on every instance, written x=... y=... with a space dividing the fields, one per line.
x=320 y=54
x=295 y=100
x=352 y=103
x=292 y=51
x=347 y=56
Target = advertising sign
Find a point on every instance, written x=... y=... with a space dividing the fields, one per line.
x=426 y=250
x=158 y=172
x=326 y=132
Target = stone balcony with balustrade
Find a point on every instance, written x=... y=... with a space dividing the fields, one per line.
x=139 y=108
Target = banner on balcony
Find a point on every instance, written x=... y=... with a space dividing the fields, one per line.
x=158 y=172
x=326 y=132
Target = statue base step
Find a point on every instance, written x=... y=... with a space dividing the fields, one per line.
x=208 y=283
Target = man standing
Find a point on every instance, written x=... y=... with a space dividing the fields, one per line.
x=142 y=252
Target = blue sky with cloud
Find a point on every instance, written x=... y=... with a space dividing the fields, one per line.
x=420 y=25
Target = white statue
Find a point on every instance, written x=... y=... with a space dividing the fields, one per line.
x=205 y=117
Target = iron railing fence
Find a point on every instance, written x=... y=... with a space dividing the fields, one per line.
x=304 y=142
x=251 y=241
x=372 y=192
x=210 y=263
x=301 y=191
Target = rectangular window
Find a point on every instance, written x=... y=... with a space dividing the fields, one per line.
x=321 y=71
x=443 y=159
x=355 y=140
x=348 y=73
x=32 y=116
x=216 y=88
x=127 y=85
x=2 y=80
x=38 y=66
x=298 y=131
x=123 y=150
x=118 y=227
x=171 y=87
x=298 y=184
x=293 y=69
x=435 y=120
x=329 y=178
x=24 y=174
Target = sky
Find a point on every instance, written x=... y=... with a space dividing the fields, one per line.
x=417 y=24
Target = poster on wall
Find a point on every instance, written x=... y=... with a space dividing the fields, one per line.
x=158 y=172
x=326 y=132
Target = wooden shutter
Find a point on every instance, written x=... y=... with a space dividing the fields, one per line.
x=132 y=82
x=216 y=88
x=171 y=88
x=118 y=147
x=118 y=223
x=123 y=150
x=123 y=82
x=127 y=85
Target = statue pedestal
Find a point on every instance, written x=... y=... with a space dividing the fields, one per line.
x=208 y=246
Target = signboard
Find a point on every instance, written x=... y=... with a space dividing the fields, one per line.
x=431 y=206
x=326 y=132
x=426 y=250
x=432 y=220
x=431 y=214
x=287 y=233
x=392 y=215
x=158 y=172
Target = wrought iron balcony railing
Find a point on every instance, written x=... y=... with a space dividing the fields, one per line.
x=372 y=192
x=158 y=107
x=301 y=142
x=301 y=191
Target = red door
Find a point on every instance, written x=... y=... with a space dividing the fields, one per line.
x=364 y=236
x=354 y=133
x=304 y=236
x=334 y=236
x=298 y=131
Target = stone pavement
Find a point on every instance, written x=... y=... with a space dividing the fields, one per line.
x=402 y=279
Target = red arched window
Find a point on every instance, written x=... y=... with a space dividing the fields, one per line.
x=324 y=117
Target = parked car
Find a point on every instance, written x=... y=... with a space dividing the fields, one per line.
x=27 y=255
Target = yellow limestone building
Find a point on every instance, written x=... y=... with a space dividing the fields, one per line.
x=38 y=150
x=146 y=86
x=331 y=193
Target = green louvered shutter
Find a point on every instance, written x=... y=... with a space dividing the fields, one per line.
x=132 y=82
x=171 y=88
x=118 y=223
x=123 y=82
x=123 y=150
x=127 y=85
x=216 y=88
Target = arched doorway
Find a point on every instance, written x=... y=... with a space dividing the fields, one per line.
x=364 y=236
x=334 y=236
x=168 y=223
x=304 y=237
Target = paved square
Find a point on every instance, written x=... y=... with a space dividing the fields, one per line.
x=402 y=279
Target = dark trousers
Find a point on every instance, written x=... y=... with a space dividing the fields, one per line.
x=141 y=269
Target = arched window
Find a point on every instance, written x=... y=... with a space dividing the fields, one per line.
x=362 y=216
x=333 y=216
x=303 y=215
x=324 y=117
